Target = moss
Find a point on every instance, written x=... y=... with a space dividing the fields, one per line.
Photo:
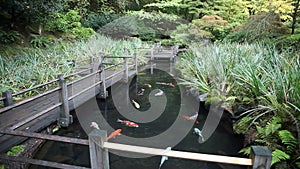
x=16 y=150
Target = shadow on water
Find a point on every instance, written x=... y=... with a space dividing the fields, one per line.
x=222 y=142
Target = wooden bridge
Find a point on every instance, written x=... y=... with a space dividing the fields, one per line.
x=22 y=120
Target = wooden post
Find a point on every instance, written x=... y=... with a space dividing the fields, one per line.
x=98 y=155
x=65 y=117
x=103 y=93
x=135 y=62
x=125 y=66
x=152 y=54
x=174 y=52
x=92 y=64
x=8 y=98
x=261 y=157
x=151 y=68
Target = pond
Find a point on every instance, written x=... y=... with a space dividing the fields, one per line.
x=148 y=83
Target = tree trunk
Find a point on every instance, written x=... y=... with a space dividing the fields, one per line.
x=295 y=16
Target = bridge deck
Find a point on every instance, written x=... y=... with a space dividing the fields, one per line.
x=32 y=117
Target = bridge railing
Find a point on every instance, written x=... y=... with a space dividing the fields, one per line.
x=92 y=66
x=98 y=146
x=65 y=96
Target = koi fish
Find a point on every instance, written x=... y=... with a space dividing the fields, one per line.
x=141 y=93
x=128 y=123
x=199 y=133
x=164 y=158
x=192 y=118
x=94 y=125
x=136 y=104
x=148 y=85
x=160 y=93
x=114 y=134
x=141 y=73
x=166 y=84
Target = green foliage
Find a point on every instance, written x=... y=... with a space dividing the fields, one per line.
x=245 y=151
x=64 y=22
x=140 y=23
x=282 y=7
x=210 y=27
x=278 y=156
x=70 y=23
x=288 y=140
x=97 y=20
x=40 y=61
x=257 y=77
x=8 y=37
x=16 y=150
x=82 y=33
x=288 y=42
x=41 y=42
x=259 y=28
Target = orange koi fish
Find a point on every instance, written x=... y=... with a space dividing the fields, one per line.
x=128 y=123
x=192 y=118
x=114 y=134
x=166 y=84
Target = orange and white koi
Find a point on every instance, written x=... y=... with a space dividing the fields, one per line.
x=128 y=123
x=114 y=134
x=166 y=84
x=192 y=118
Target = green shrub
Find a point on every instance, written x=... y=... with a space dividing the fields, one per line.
x=96 y=20
x=70 y=23
x=8 y=37
x=147 y=25
x=260 y=27
x=287 y=42
x=40 y=42
x=82 y=33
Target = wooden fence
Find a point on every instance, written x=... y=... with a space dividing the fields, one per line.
x=99 y=156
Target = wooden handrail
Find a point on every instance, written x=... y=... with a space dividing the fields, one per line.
x=84 y=77
x=118 y=56
x=39 y=162
x=86 y=89
x=35 y=87
x=28 y=100
x=178 y=154
x=45 y=137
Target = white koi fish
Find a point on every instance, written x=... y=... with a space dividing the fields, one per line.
x=136 y=104
x=199 y=133
x=160 y=93
x=94 y=125
x=164 y=158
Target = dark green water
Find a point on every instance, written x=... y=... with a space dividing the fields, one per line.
x=223 y=141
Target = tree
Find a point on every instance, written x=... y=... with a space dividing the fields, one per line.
x=282 y=7
x=296 y=4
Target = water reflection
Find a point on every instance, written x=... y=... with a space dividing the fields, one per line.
x=223 y=141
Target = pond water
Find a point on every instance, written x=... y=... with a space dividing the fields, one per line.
x=222 y=142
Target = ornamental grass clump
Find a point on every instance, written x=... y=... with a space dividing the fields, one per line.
x=30 y=67
x=259 y=78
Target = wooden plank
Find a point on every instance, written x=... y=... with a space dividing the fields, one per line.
x=46 y=137
x=7 y=159
x=179 y=154
x=30 y=118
